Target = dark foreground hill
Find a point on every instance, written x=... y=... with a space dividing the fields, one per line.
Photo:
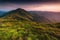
x=21 y=25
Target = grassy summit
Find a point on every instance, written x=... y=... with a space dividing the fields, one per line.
x=20 y=25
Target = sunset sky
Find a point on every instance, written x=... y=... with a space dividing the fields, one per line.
x=32 y=5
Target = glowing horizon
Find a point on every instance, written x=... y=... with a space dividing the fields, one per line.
x=33 y=7
x=45 y=7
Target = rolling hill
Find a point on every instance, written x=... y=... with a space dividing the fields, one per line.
x=22 y=25
x=18 y=14
x=21 y=14
x=52 y=16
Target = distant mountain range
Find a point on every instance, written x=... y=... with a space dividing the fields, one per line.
x=36 y=16
x=52 y=16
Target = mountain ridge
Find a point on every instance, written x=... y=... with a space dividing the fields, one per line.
x=22 y=14
x=35 y=16
x=18 y=14
x=52 y=16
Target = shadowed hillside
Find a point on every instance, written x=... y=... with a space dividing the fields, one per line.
x=21 y=14
x=21 y=25
x=52 y=16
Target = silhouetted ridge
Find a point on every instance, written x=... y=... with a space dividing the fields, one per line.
x=18 y=14
x=21 y=14
x=19 y=9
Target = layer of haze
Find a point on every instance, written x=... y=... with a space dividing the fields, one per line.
x=54 y=7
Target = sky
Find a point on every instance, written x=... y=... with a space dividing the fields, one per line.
x=30 y=5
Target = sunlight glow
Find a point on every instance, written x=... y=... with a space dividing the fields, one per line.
x=45 y=7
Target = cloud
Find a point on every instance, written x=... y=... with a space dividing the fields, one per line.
x=28 y=0
x=32 y=6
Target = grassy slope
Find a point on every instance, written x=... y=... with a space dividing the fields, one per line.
x=27 y=30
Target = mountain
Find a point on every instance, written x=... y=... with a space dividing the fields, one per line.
x=21 y=14
x=18 y=14
x=52 y=16
x=22 y=25
x=36 y=16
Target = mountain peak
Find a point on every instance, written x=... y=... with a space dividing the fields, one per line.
x=18 y=14
x=19 y=9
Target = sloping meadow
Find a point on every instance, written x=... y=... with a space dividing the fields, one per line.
x=27 y=30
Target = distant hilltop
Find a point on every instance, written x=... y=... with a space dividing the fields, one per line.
x=36 y=16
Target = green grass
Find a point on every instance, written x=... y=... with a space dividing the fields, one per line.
x=27 y=30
